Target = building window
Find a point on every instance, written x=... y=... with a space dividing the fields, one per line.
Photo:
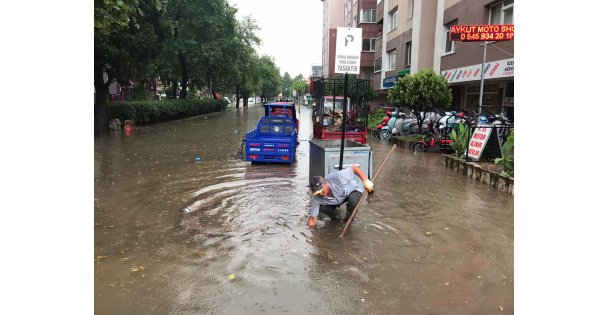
x=369 y=44
x=378 y=64
x=393 y=21
x=391 y=60
x=502 y=13
x=411 y=9
x=408 y=53
x=450 y=46
x=368 y=16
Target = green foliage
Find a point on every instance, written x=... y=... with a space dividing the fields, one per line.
x=140 y=94
x=123 y=113
x=300 y=86
x=424 y=91
x=460 y=135
x=287 y=83
x=142 y=112
x=507 y=160
x=374 y=119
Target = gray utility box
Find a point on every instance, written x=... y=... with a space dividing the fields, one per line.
x=325 y=157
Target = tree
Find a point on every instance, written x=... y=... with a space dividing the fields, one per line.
x=300 y=86
x=421 y=92
x=271 y=81
x=287 y=81
x=242 y=69
x=199 y=33
x=124 y=42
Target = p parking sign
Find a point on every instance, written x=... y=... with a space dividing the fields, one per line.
x=348 y=50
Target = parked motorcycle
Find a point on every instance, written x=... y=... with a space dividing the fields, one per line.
x=430 y=142
x=387 y=130
x=382 y=124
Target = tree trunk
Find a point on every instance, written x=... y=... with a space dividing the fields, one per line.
x=238 y=99
x=419 y=121
x=210 y=84
x=184 y=92
x=101 y=102
x=155 y=90
x=174 y=89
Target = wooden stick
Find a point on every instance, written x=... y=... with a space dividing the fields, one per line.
x=352 y=216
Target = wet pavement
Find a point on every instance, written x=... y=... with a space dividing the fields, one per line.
x=216 y=235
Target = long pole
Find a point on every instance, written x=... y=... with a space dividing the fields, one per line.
x=483 y=65
x=344 y=118
x=352 y=216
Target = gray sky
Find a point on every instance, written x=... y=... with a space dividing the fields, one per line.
x=291 y=31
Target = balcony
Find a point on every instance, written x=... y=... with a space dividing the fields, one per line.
x=380 y=12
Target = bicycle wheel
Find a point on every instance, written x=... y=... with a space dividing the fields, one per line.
x=419 y=147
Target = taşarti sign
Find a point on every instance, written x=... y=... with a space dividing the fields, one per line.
x=348 y=50
x=489 y=32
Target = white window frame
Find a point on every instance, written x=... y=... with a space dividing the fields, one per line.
x=502 y=7
x=372 y=16
x=446 y=37
x=411 y=9
x=376 y=68
x=370 y=48
x=408 y=54
x=391 y=57
x=393 y=20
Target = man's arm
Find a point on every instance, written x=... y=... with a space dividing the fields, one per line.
x=367 y=184
x=359 y=173
x=314 y=212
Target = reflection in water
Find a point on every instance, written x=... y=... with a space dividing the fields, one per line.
x=427 y=241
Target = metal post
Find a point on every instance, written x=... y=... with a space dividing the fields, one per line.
x=344 y=118
x=333 y=113
x=483 y=65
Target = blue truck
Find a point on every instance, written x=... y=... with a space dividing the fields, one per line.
x=276 y=136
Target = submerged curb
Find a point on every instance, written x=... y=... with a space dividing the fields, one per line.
x=475 y=171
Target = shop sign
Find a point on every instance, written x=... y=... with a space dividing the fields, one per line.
x=494 y=69
x=476 y=33
x=388 y=83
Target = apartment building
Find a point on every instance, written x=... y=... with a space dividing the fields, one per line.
x=351 y=13
x=333 y=17
x=460 y=62
x=414 y=35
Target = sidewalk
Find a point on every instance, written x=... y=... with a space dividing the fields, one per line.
x=486 y=172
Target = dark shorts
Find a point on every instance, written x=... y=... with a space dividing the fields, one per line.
x=351 y=202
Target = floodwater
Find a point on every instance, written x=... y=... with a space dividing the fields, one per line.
x=179 y=235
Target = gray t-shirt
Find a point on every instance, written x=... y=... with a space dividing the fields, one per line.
x=342 y=183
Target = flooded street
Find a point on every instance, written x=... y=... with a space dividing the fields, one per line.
x=174 y=235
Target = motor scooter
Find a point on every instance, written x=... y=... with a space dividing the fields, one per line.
x=382 y=124
x=386 y=131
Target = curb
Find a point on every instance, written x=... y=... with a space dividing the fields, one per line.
x=471 y=169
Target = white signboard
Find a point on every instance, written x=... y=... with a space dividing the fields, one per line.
x=348 y=50
x=478 y=142
x=494 y=69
